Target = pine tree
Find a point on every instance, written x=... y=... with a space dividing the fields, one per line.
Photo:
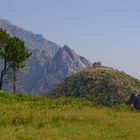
x=13 y=54
x=17 y=54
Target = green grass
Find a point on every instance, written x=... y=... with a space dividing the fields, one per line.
x=37 y=118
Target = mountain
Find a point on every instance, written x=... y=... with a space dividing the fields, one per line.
x=61 y=66
x=104 y=85
x=49 y=64
x=34 y=42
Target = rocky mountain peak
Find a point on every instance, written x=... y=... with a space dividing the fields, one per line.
x=49 y=64
x=70 y=52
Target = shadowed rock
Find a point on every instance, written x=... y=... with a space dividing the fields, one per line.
x=134 y=101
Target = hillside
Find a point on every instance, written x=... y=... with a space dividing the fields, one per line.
x=39 y=74
x=104 y=85
x=37 y=118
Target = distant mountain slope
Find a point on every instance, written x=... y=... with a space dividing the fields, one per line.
x=34 y=42
x=105 y=85
x=61 y=66
x=49 y=64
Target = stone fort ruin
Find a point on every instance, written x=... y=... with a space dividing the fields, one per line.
x=97 y=64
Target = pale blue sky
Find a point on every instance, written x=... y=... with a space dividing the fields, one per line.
x=106 y=30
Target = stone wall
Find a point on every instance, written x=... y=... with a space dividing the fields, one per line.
x=97 y=64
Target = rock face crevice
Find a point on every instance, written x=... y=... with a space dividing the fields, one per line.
x=49 y=64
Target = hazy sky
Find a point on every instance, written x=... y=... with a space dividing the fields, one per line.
x=106 y=30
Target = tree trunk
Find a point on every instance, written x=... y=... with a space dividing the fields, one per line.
x=3 y=73
x=14 y=80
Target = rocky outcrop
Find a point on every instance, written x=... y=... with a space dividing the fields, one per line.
x=134 y=101
x=62 y=65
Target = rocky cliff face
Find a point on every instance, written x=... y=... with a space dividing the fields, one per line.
x=61 y=66
x=49 y=63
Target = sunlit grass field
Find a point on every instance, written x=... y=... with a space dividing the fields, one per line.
x=39 y=118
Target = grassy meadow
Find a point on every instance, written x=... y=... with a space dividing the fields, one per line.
x=25 y=117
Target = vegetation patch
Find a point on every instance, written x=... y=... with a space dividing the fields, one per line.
x=103 y=85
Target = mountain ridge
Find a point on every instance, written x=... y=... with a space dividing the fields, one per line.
x=42 y=65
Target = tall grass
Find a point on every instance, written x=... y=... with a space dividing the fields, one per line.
x=36 y=118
